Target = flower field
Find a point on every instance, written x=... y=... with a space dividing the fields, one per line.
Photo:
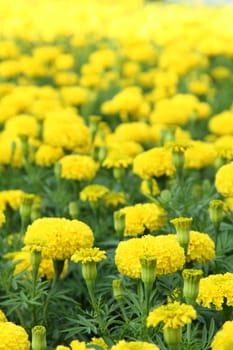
x=116 y=175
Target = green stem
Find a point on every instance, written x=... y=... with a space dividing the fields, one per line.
x=90 y=287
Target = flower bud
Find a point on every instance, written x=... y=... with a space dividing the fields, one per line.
x=216 y=211
x=173 y=337
x=191 y=279
x=118 y=291
x=119 y=223
x=73 y=209
x=148 y=269
x=39 y=338
x=182 y=226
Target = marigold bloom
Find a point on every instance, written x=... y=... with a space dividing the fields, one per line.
x=47 y=155
x=11 y=198
x=222 y=123
x=155 y=162
x=13 y=337
x=172 y=315
x=79 y=345
x=58 y=238
x=86 y=255
x=168 y=253
x=114 y=199
x=134 y=345
x=99 y=342
x=141 y=217
x=199 y=155
x=2 y=218
x=93 y=193
x=116 y=159
x=201 y=248
x=216 y=290
x=67 y=131
x=78 y=167
x=223 y=338
x=224 y=180
x=134 y=131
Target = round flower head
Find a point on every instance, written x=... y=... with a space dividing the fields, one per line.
x=99 y=342
x=78 y=167
x=224 y=180
x=22 y=124
x=11 y=198
x=13 y=337
x=114 y=199
x=153 y=163
x=216 y=290
x=79 y=345
x=93 y=193
x=223 y=338
x=66 y=131
x=141 y=217
x=134 y=131
x=58 y=238
x=201 y=248
x=85 y=255
x=47 y=155
x=173 y=315
x=134 y=345
x=200 y=155
x=222 y=123
x=116 y=159
x=166 y=250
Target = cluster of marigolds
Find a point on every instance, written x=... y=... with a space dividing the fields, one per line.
x=98 y=93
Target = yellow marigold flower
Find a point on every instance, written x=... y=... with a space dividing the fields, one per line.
x=130 y=148
x=168 y=253
x=99 y=342
x=74 y=95
x=2 y=316
x=47 y=155
x=85 y=255
x=178 y=146
x=173 y=315
x=175 y=110
x=141 y=217
x=201 y=248
x=222 y=123
x=134 y=131
x=134 y=345
x=93 y=193
x=216 y=290
x=13 y=337
x=220 y=72
x=67 y=131
x=22 y=261
x=223 y=338
x=22 y=125
x=154 y=162
x=79 y=345
x=149 y=187
x=11 y=198
x=62 y=347
x=10 y=151
x=78 y=167
x=58 y=238
x=199 y=155
x=114 y=199
x=115 y=159
x=224 y=180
